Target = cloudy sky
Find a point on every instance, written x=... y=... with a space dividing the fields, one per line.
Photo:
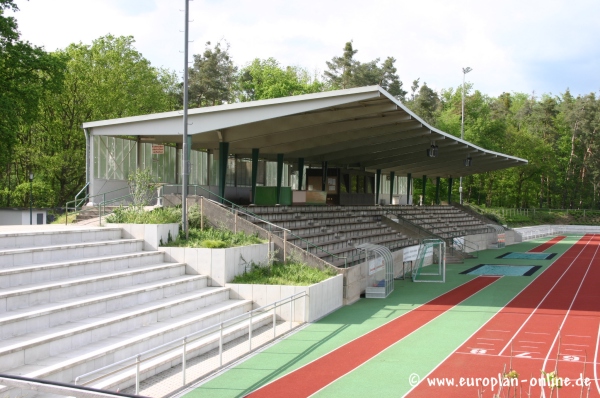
x=513 y=46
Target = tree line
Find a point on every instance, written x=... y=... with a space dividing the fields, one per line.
x=46 y=96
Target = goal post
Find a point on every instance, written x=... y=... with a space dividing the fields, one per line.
x=430 y=265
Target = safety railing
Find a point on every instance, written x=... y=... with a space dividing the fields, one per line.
x=214 y=346
x=465 y=248
x=271 y=228
x=56 y=388
x=77 y=203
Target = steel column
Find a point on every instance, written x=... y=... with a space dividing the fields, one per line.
x=223 y=157
x=279 y=176
x=255 y=152
x=392 y=178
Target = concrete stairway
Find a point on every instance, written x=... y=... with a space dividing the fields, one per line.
x=74 y=300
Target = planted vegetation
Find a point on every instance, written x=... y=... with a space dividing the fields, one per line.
x=137 y=215
x=215 y=238
x=290 y=273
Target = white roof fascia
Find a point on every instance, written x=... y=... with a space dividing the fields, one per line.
x=433 y=129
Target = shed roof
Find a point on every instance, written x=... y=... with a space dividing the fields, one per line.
x=360 y=127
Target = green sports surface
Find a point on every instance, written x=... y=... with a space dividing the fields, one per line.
x=388 y=372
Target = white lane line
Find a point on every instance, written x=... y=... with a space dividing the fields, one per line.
x=547 y=294
x=567 y=313
x=595 y=359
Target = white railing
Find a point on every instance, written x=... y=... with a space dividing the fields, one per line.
x=210 y=348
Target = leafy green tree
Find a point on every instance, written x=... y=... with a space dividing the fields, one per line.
x=264 y=79
x=27 y=74
x=107 y=79
x=212 y=77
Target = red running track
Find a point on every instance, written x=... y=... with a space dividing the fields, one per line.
x=560 y=307
x=545 y=246
x=314 y=376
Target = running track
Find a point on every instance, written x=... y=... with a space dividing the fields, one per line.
x=314 y=376
x=559 y=308
x=545 y=246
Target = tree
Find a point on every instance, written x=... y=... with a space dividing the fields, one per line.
x=342 y=69
x=264 y=79
x=212 y=77
x=27 y=73
x=107 y=79
x=346 y=72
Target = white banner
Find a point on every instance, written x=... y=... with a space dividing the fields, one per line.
x=410 y=253
x=376 y=265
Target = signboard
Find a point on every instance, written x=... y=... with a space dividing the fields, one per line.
x=158 y=149
x=410 y=253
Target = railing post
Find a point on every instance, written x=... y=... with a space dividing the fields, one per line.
x=137 y=375
x=183 y=359
x=274 y=321
x=201 y=213
x=250 y=333
x=221 y=345
x=284 y=245
x=291 y=312
x=235 y=218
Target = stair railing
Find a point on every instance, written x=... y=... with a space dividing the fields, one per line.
x=210 y=334
x=271 y=229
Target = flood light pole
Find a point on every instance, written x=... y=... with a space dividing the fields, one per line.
x=462 y=127
x=186 y=161
x=30 y=198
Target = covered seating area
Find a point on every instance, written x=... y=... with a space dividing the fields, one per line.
x=358 y=146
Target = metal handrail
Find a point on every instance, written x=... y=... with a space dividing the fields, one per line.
x=186 y=340
x=256 y=216
x=78 y=202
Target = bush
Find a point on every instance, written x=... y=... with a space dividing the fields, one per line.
x=135 y=215
x=215 y=238
x=291 y=273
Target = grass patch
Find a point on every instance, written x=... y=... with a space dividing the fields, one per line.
x=60 y=219
x=215 y=238
x=294 y=273
x=135 y=215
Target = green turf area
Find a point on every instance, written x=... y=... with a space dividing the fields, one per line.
x=388 y=372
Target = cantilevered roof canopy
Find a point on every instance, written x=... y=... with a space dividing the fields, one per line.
x=360 y=127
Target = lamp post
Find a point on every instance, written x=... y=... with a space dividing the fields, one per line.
x=30 y=198
x=462 y=126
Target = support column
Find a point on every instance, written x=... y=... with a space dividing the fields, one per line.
x=178 y=146
x=437 y=190
x=449 y=190
x=424 y=193
x=223 y=157
x=392 y=178
x=324 y=179
x=90 y=160
x=408 y=188
x=279 y=176
x=255 y=152
x=300 y=173
x=378 y=182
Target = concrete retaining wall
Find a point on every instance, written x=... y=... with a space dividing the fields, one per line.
x=221 y=265
x=323 y=298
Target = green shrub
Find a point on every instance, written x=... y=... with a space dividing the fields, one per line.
x=215 y=238
x=293 y=273
x=135 y=215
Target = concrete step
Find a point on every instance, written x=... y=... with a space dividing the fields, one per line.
x=61 y=339
x=54 y=237
x=41 y=317
x=40 y=293
x=99 y=353
x=17 y=276
x=54 y=253
x=167 y=360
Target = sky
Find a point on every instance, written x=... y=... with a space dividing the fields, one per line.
x=529 y=46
